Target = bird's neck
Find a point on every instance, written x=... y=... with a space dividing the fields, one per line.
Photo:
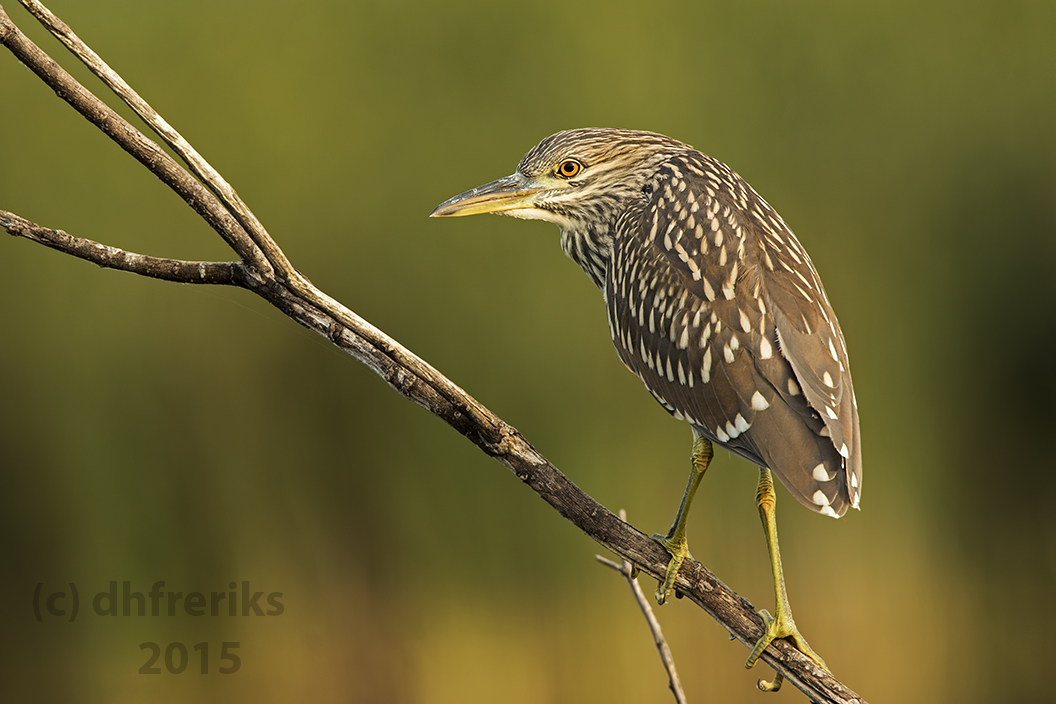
x=590 y=246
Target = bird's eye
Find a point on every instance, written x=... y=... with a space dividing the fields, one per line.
x=569 y=168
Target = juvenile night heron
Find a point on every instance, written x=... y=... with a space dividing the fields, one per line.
x=713 y=303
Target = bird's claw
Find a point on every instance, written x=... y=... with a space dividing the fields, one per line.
x=679 y=551
x=781 y=627
x=771 y=685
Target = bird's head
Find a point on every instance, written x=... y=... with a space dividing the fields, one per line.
x=576 y=179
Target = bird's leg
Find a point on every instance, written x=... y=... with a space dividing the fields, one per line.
x=675 y=540
x=782 y=624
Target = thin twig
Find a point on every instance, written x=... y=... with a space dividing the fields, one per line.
x=178 y=270
x=199 y=166
x=630 y=573
x=418 y=381
x=134 y=142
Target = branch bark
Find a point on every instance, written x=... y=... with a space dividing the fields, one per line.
x=265 y=270
x=178 y=270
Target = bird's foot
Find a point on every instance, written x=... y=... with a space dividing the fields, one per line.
x=678 y=548
x=781 y=627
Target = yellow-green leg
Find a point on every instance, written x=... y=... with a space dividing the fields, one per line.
x=782 y=624
x=675 y=540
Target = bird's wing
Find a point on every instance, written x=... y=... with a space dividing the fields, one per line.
x=716 y=307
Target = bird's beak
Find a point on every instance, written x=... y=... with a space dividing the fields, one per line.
x=510 y=193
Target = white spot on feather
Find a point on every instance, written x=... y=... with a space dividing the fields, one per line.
x=759 y=403
x=765 y=351
x=709 y=292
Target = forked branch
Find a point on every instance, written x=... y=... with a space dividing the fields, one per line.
x=264 y=269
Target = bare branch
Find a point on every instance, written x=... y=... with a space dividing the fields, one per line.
x=199 y=166
x=134 y=142
x=178 y=270
x=287 y=290
x=630 y=573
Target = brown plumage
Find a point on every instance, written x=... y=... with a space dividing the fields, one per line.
x=711 y=300
x=713 y=303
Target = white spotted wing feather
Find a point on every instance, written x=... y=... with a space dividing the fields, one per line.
x=714 y=304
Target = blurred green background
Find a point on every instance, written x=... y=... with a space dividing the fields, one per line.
x=151 y=431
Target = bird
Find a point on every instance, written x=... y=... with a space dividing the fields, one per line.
x=714 y=304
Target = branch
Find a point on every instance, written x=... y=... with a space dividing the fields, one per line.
x=132 y=141
x=201 y=168
x=178 y=270
x=630 y=573
x=265 y=271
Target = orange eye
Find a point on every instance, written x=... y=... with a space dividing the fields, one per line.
x=569 y=168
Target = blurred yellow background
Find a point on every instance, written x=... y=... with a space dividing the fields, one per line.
x=152 y=431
